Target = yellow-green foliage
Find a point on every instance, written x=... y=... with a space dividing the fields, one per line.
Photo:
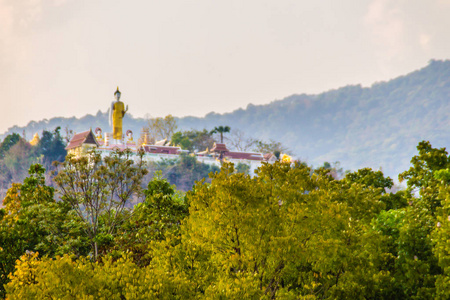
x=283 y=234
x=287 y=233
x=67 y=278
x=12 y=203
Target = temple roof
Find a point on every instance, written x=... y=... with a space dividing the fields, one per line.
x=86 y=137
x=219 y=148
x=244 y=155
x=161 y=149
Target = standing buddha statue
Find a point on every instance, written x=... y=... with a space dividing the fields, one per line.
x=118 y=111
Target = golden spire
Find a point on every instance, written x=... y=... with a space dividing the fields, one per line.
x=35 y=139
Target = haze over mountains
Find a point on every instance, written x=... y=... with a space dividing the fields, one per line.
x=377 y=126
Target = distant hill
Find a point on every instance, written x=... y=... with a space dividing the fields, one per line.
x=378 y=126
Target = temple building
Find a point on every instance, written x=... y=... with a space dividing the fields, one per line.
x=157 y=150
x=82 y=143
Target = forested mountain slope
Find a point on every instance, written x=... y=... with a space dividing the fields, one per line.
x=377 y=126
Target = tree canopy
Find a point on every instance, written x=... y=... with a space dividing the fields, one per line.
x=289 y=232
x=221 y=130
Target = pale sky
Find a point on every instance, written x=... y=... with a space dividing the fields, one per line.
x=190 y=57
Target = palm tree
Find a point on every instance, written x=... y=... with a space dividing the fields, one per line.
x=221 y=130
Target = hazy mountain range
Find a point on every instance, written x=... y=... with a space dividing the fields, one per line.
x=377 y=126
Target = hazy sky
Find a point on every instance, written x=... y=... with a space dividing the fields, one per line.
x=191 y=57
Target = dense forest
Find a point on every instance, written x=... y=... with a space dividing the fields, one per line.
x=290 y=232
x=376 y=126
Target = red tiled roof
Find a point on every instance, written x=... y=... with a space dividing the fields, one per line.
x=80 y=138
x=244 y=155
x=219 y=148
x=161 y=149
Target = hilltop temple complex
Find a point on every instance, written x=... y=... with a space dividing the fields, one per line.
x=157 y=151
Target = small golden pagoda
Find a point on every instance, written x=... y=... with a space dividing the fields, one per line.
x=35 y=139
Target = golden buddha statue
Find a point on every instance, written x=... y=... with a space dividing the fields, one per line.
x=98 y=135
x=130 y=141
x=118 y=111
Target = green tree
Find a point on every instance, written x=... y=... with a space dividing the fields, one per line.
x=220 y=130
x=441 y=234
x=16 y=156
x=99 y=189
x=411 y=232
x=420 y=176
x=18 y=160
x=52 y=147
x=375 y=179
x=8 y=142
x=163 y=206
x=155 y=219
x=182 y=140
x=193 y=140
x=282 y=234
x=335 y=170
x=68 y=278
x=34 y=221
x=368 y=177
x=243 y=168
x=289 y=232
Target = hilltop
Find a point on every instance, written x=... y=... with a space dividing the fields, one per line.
x=377 y=126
